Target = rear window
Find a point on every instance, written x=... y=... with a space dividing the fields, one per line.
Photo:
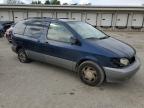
x=19 y=28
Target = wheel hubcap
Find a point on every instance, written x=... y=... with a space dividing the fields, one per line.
x=22 y=57
x=89 y=73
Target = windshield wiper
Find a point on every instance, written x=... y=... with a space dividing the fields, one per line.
x=104 y=37
x=97 y=38
x=91 y=38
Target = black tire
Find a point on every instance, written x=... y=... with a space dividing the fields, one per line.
x=9 y=40
x=22 y=56
x=91 y=73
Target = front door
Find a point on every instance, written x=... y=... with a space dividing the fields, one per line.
x=58 y=49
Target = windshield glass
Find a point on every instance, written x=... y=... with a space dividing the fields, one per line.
x=86 y=31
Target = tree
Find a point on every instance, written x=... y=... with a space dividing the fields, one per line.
x=55 y=2
x=65 y=4
x=39 y=2
x=47 y=2
x=75 y=4
x=36 y=2
x=13 y=2
x=58 y=2
x=88 y=4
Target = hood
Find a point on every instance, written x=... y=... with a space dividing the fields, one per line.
x=115 y=46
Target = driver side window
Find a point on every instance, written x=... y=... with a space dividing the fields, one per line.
x=59 y=32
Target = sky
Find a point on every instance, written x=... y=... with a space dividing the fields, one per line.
x=97 y=2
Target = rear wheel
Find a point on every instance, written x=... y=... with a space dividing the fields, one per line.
x=90 y=73
x=22 y=56
x=9 y=38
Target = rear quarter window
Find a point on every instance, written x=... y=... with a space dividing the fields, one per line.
x=19 y=28
x=33 y=31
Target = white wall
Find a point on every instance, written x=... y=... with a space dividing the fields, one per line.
x=137 y=20
x=19 y=15
x=4 y=16
x=62 y=14
x=113 y=19
x=91 y=18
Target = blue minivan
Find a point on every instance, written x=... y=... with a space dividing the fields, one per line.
x=77 y=46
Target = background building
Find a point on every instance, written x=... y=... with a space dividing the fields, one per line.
x=107 y=18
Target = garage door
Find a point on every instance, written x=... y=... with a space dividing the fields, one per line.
x=91 y=18
x=122 y=20
x=137 y=20
x=106 y=20
x=32 y=14
x=4 y=16
x=47 y=14
x=76 y=16
x=62 y=15
x=18 y=16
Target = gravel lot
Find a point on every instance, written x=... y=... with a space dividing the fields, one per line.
x=39 y=85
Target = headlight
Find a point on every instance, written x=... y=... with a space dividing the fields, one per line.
x=121 y=62
x=124 y=61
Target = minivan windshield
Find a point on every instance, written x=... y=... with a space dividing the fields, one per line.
x=86 y=31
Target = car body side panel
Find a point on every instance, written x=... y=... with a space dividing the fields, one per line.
x=51 y=59
x=30 y=45
x=61 y=50
x=68 y=64
x=74 y=53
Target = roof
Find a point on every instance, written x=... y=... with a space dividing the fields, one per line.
x=71 y=7
x=43 y=20
x=65 y=19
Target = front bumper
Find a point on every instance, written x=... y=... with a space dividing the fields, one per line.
x=8 y=36
x=121 y=74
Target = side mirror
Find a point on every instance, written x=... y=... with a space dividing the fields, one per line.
x=74 y=41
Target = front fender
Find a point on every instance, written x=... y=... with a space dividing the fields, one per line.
x=87 y=58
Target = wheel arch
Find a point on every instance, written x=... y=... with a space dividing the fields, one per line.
x=93 y=59
x=88 y=58
x=18 y=48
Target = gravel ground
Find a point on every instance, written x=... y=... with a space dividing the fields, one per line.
x=40 y=85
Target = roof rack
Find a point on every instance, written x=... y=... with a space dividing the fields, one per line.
x=62 y=18
x=38 y=18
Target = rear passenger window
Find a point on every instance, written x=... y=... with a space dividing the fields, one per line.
x=19 y=28
x=33 y=31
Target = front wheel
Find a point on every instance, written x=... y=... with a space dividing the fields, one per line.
x=22 y=56
x=90 y=73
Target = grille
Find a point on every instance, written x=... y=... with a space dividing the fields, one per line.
x=132 y=60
